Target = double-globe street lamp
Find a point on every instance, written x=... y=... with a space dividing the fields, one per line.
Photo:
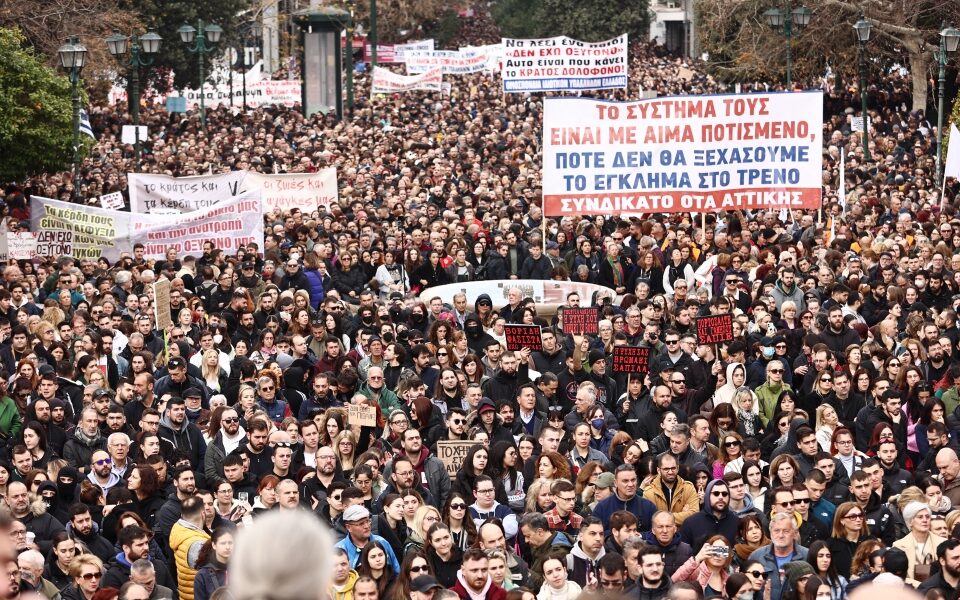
x=142 y=50
x=201 y=41
x=73 y=55
x=784 y=21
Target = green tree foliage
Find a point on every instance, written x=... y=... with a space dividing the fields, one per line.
x=587 y=20
x=166 y=16
x=36 y=113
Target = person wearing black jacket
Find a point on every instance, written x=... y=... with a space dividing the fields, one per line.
x=430 y=273
x=496 y=266
x=948 y=577
x=536 y=265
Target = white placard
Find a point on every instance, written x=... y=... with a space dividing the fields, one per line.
x=129 y=134
x=112 y=201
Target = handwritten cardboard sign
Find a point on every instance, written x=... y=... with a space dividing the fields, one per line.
x=362 y=415
x=631 y=359
x=523 y=336
x=715 y=329
x=452 y=452
x=161 y=304
x=581 y=320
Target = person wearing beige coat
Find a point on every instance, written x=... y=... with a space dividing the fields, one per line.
x=683 y=501
x=920 y=545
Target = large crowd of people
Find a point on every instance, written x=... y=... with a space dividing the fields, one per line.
x=814 y=453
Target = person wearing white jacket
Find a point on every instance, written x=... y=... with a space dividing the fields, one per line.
x=556 y=586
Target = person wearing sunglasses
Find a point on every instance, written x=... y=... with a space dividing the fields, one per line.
x=850 y=529
x=86 y=571
x=768 y=392
x=715 y=518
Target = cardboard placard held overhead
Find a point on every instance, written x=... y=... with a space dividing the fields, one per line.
x=581 y=320
x=715 y=329
x=161 y=304
x=452 y=452
x=631 y=359
x=362 y=415
x=523 y=336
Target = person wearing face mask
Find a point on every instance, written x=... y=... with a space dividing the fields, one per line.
x=477 y=338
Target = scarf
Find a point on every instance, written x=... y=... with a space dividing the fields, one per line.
x=86 y=440
x=744 y=550
x=617 y=272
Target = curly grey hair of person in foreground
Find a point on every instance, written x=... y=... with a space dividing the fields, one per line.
x=284 y=555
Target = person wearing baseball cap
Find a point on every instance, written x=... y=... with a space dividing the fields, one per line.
x=357 y=521
x=423 y=587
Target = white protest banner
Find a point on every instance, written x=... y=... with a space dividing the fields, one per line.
x=400 y=50
x=184 y=194
x=77 y=230
x=683 y=154
x=54 y=242
x=450 y=62
x=492 y=52
x=283 y=92
x=306 y=191
x=564 y=64
x=89 y=232
x=388 y=82
x=856 y=124
x=21 y=246
x=231 y=224
x=131 y=134
x=112 y=201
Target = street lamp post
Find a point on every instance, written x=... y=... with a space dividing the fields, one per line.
x=784 y=21
x=142 y=49
x=373 y=33
x=949 y=40
x=863 y=27
x=73 y=54
x=197 y=40
x=252 y=31
x=350 y=30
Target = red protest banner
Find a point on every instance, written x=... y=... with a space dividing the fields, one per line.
x=523 y=336
x=631 y=359
x=581 y=320
x=715 y=329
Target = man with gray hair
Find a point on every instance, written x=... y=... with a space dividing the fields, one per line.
x=133 y=591
x=31 y=575
x=782 y=549
x=118 y=446
x=144 y=574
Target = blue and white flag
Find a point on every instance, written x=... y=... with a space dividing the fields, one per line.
x=85 y=124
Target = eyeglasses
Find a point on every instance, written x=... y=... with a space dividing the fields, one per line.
x=419 y=569
x=786 y=504
x=732 y=444
x=671 y=341
x=91 y=576
x=731 y=281
x=485 y=491
x=781 y=346
x=826 y=380
x=441 y=353
x=458 y=506
x=776 y=370
x=719 y=494
x=857 y=516
x=756 y=574
x=103 y=461
x=456 y=421
x=267 y=389
x=608 y=583
x=678 y=381
x=801 y=500
x=230 y=420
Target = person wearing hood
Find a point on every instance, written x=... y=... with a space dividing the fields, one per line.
x=101 y=472
x=483 y=307
x=736 y=377
x=782 y=549
x=715 y=518
x=477 y=338
x=82 y=528
x=179 y=431
x=85 y=441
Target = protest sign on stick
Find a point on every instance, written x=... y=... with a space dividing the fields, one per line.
x=523 y=336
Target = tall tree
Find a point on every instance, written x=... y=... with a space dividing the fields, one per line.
x=905 y=32
x=36 y=113
x=587 y=20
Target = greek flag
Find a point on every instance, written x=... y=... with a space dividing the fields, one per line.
x=85 y=124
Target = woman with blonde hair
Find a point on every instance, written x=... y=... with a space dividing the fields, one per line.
x=86 y=571
x=345 y=448
x=422 y=522
x=827 y=422
x=539 y=496
x=214 y=376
